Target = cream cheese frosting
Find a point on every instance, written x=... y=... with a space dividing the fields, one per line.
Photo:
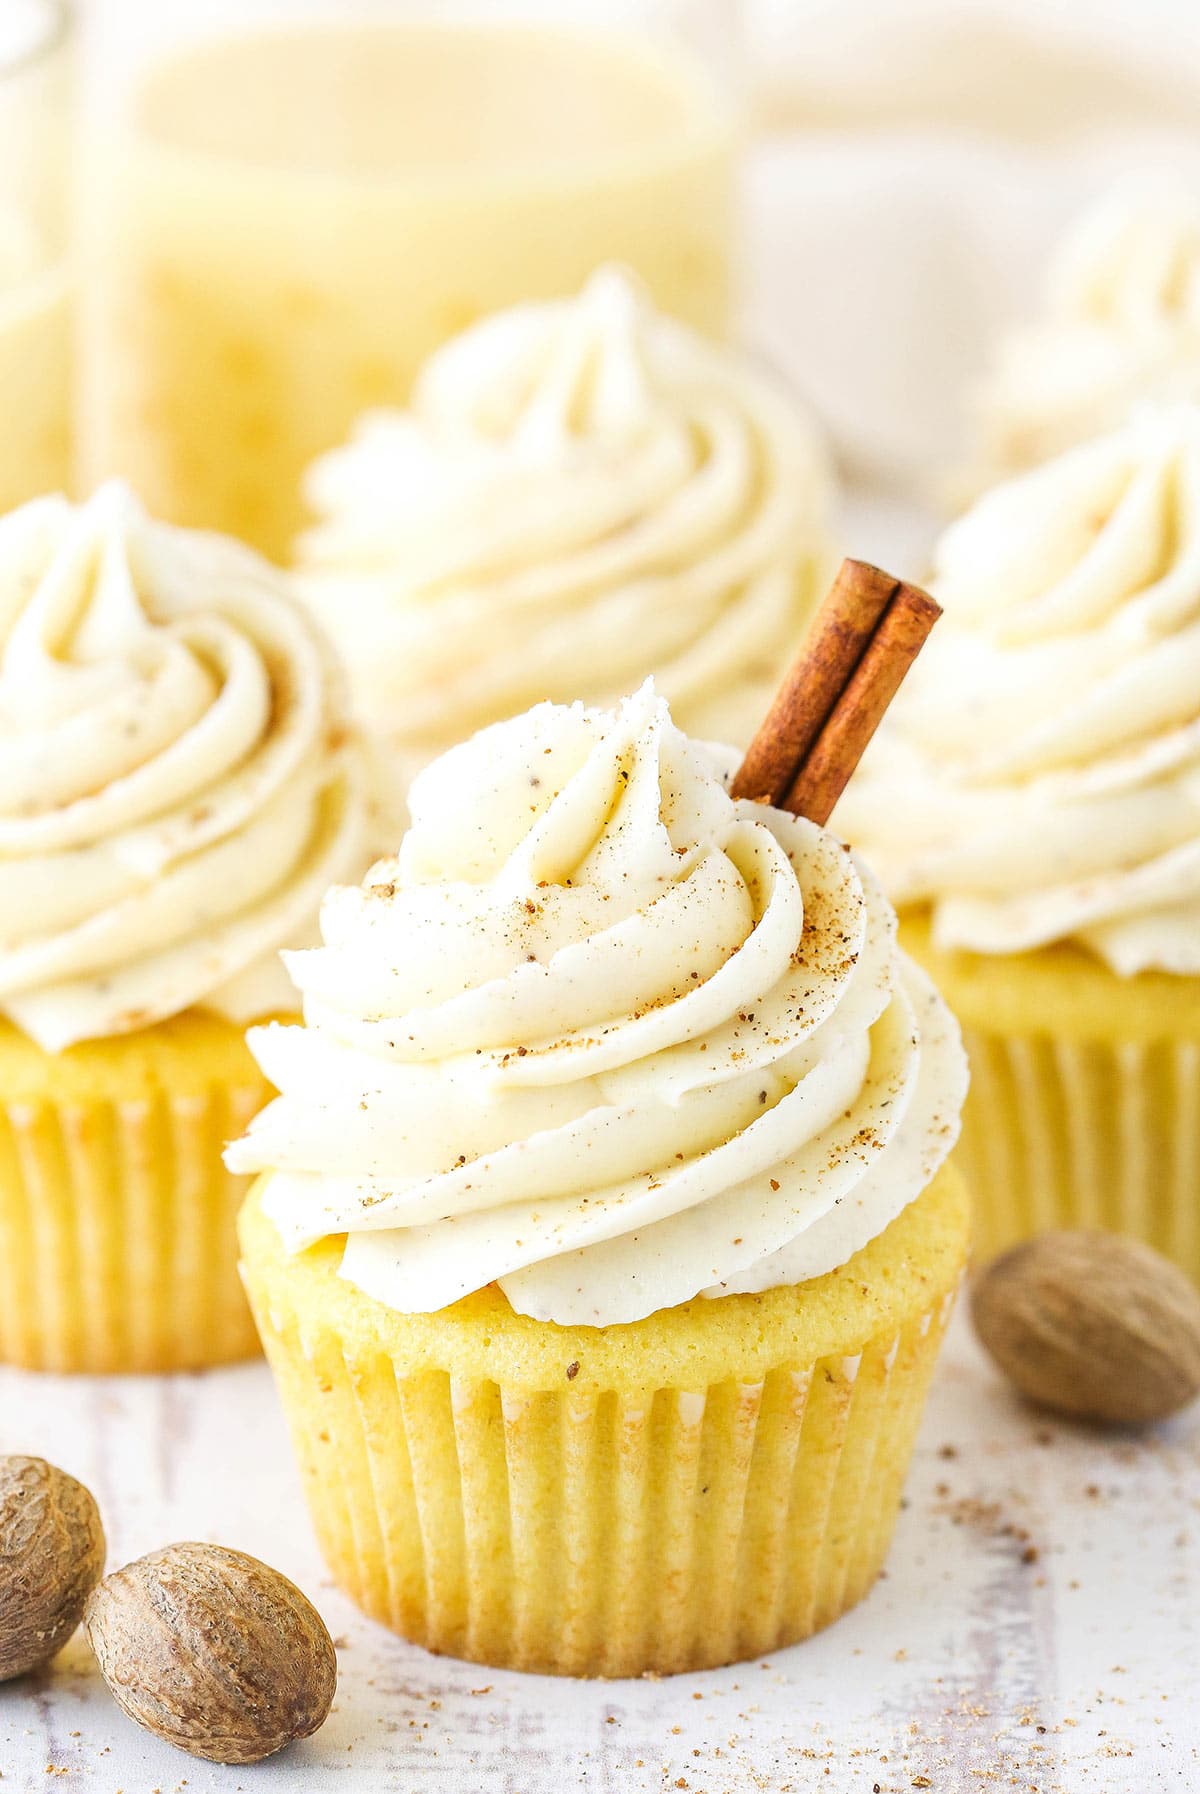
x=1038 y=779
x=1122 y=325
x=602 y=1035
x=582 y=491
x=178 y=786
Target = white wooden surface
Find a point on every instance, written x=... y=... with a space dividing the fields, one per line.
x=1037 y=1628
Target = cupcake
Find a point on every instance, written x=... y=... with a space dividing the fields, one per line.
x=1035 y=811
x=582 y=492
x=1122 y=325
x=603 y=1217
x=176 y=793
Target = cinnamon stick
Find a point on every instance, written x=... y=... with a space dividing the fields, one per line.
x=866 y=635
x=835 y=644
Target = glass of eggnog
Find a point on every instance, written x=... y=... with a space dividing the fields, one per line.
x=35 y=265
x=304 y=201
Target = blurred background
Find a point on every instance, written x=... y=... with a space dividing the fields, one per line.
x=226 y=228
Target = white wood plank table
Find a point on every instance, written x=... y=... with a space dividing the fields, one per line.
x=1036 y=1630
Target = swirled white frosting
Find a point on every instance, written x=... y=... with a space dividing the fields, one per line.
x=583 y=491
x=602 y=1035
x=1038 y=779
x=1122 y=326
x=176 y=784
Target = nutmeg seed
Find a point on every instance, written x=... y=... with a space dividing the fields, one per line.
x=1092 y=1324
x=213 y=1651
x=51 y=1558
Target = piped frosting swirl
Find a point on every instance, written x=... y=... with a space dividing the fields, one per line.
x=602 y=1035
x=582 y=491
x=1038 y=780
x=1122 y=325
x=177 y=782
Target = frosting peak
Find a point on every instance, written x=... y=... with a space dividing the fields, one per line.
x=581 y=490
x=1122 y=325
x=1039 y=777
x=584 y=379
x=603 y=1035
x=176 y=782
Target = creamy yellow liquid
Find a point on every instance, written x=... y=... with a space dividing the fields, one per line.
x=35 y=387
x=302 y=216
x=36 y=273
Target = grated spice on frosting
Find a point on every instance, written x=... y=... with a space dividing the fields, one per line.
x=581 y=490
x=602 y=1035
x=177 y=782
x=1038 y=779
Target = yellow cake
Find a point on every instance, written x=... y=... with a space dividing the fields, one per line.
x=1033 y=808
x=1084 y=1107
x=605 y=1244
x=118 y=1219
x=707 y=1484
x=176 y=791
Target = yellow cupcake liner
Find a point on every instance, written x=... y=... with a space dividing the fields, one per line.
x=599 y=1530
x=1084 y=1107
x=1069 y=1133
x=118 y=1220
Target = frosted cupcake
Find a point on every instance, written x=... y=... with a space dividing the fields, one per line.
x=176 y=793
x=1035 y=811
x=604 y=1217
x=582 y=492
x=1122 y=325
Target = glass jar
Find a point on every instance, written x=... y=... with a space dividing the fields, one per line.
x=35 y=237
x=301 y=208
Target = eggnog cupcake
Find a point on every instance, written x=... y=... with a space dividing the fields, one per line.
x=1033 y=805
x=604 y=1218
x=1121 y=325
x=176 y=793
x=583 y=491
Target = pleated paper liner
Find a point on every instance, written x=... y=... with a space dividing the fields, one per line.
x=705 y=1485
x=1084 y=1108
x=118 y=1220
x=1063 y=1133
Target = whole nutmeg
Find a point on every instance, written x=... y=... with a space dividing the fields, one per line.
x=1092 y=1324
x=51 y=1558
x=213 y=1651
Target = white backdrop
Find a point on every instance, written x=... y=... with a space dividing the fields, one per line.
x=923 y=157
